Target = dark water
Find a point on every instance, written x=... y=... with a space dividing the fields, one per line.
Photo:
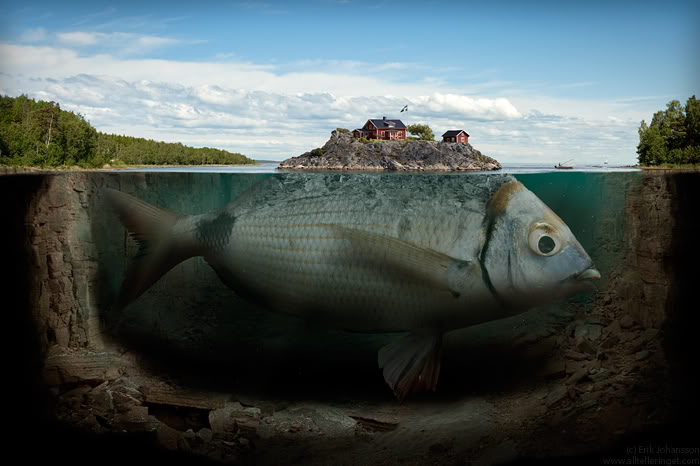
x=192 y=316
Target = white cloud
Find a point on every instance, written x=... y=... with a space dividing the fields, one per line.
x=79 y=38
x=33 y=35
x=276 y=112
x=466 y=106
x=126 y=43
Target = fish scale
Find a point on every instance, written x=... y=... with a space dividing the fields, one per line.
x=288 y=251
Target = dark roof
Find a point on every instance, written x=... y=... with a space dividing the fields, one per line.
x=454 y=132
x=381 y=124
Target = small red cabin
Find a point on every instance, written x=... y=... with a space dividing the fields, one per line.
x=456 y=135
x=382 y=129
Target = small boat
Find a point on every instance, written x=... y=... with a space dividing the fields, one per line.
x=565 y=165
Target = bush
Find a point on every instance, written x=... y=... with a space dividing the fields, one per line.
x=318 y=152
x=343 y=130
x=423 y=132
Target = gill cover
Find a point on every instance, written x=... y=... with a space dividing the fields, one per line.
x=529 y=253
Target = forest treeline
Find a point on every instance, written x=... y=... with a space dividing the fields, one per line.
x=673 y=136
x=39 y=133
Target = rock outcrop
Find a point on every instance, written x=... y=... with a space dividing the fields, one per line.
x=343 y=152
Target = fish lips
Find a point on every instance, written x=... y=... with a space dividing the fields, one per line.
x=591 y=273
x=585 y=278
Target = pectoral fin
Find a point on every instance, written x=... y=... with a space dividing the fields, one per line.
x=423 y=265
x=412 y=363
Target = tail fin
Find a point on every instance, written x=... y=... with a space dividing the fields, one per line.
x=159 y=249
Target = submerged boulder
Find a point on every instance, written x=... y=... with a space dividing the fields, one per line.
x=343 y=152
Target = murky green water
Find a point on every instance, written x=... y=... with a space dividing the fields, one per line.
x=191 y=317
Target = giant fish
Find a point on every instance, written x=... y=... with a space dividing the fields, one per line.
x=422 y=254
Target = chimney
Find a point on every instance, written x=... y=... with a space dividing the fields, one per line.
x=383 y=118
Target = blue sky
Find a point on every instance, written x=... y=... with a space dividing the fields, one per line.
x=530 y=81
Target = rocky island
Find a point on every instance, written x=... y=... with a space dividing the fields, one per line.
x=343 y=152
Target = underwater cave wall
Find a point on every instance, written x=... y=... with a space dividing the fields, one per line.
x=646 y=274
x=63 y=261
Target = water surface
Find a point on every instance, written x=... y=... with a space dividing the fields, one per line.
x=271 y=167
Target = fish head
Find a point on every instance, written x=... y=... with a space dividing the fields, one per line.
x=530 y=255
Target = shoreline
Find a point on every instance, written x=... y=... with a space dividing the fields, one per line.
x=19 y=170
x=7 y=170
x=680 y=169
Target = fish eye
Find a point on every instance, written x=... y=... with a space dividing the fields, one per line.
x=546 y=244
x=544 y=240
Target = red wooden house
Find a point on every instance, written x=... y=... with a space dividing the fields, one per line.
x=382 y=129
x=456 y=135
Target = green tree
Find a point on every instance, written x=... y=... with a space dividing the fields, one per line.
x=653 y=146
x=40 y=133
x=673 y=136
x=692 y=122
x=422 y=132
x=673 y=125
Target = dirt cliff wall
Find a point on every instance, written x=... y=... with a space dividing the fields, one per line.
x=647 y=275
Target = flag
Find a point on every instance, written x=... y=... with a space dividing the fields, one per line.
x=404 y=109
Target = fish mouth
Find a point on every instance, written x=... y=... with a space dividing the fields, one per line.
x=590 y=273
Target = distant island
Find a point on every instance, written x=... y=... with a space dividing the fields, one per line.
x=40 y=134
x=382 y=145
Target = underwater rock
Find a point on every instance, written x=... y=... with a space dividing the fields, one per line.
x=123 y=402
x=556 y=396
x=577 y=376
x=309 y=420
x=588 y=404
x=135 y=415
x=74 y=367
x=234 y=419
x=554 y=369
x=171 y=439
x=646 y=336
x=374 y=421
x=610 y=342
x=627 y=322
x=576 y=356
x=575 y=366
x=205 y=434
x=601 y=375
x=100 y=400
x=584 y=345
